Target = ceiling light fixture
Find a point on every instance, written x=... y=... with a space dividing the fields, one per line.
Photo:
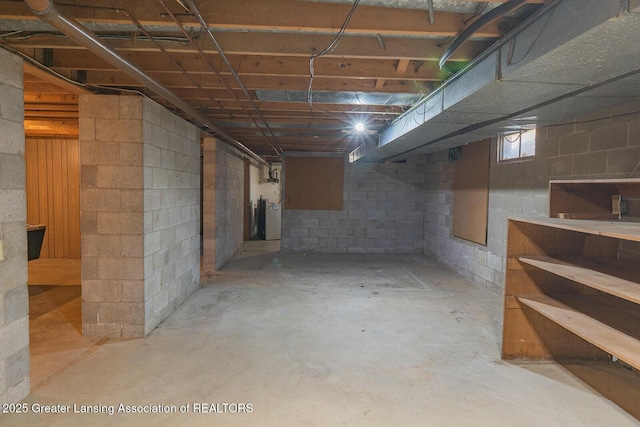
x=359 y=127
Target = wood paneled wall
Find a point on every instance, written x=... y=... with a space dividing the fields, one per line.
x=53 y=194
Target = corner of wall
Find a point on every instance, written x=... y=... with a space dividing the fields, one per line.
x=171 y=163
x=605 y=144
x=229 y=205
x=14 y=297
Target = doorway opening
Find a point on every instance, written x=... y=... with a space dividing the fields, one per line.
x=52 y=161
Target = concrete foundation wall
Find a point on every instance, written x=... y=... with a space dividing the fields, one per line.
x=382 y=213
x=171 y=161
x=139 y=214
x=603 y=145
x=14 y=296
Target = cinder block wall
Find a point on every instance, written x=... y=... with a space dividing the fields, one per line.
x=603 y=145
x=171 y=158
x=382 y=213
x=14 y=298
x=139 y=214
x=111 y=215
x=229 y=202
x=209 y=223
x=223 y=203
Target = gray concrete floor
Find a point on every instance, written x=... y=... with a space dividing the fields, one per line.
x=327 y=340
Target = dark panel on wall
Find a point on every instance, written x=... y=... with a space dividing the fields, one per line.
x=314 y=183
x=471 y=193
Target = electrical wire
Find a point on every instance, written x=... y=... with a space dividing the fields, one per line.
x=97 y=89
x=44 y=68
x=483 y=20
x=9 y=34
x=512 y=41
x=518 y=137
x=92 y=88
x=28 y=36
x=580 y=122
x=175 y=63
x=329 y=49
x=479 y=10
x=89 y=87
x=191 y=40
x=194 y=10
x=635 y=170
x=184 y=6
x=158 y=88
x=222 y=80
x=446 y=41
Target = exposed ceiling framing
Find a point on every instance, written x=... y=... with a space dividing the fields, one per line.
x=386 y=61
x=569 y=60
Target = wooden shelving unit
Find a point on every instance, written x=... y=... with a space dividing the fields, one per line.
x=568 y=293
x=604 y=274
x=613 y=341
x=591 y=199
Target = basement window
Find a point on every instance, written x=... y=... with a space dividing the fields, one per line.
x=517 y=145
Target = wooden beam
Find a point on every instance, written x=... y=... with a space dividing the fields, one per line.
x=46 y=106
x=402 y=66
x=301 y=116
x=274 y=15
x=51 y=127
x=244 y=65
x=317 y=120
x=278 y=44
x=46 y=77
x=318 y=108
x=175 y=81
x=51 y=115
x=47 y=98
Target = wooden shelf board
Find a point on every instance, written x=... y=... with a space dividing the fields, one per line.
x=609 y=339
x=612 y=276
x=617 y=229
x=588 y=215
x=614 y=181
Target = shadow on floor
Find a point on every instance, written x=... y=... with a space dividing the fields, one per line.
x=55 y=316
x=614 y=381
x=54 y=271
x=58 y=303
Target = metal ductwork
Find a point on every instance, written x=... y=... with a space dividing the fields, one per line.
x=571 y=58
x=49 y=13
x=483 y=20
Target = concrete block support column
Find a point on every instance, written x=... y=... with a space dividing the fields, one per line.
x=139 y=214
x=14 y=299
x=112 y=216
